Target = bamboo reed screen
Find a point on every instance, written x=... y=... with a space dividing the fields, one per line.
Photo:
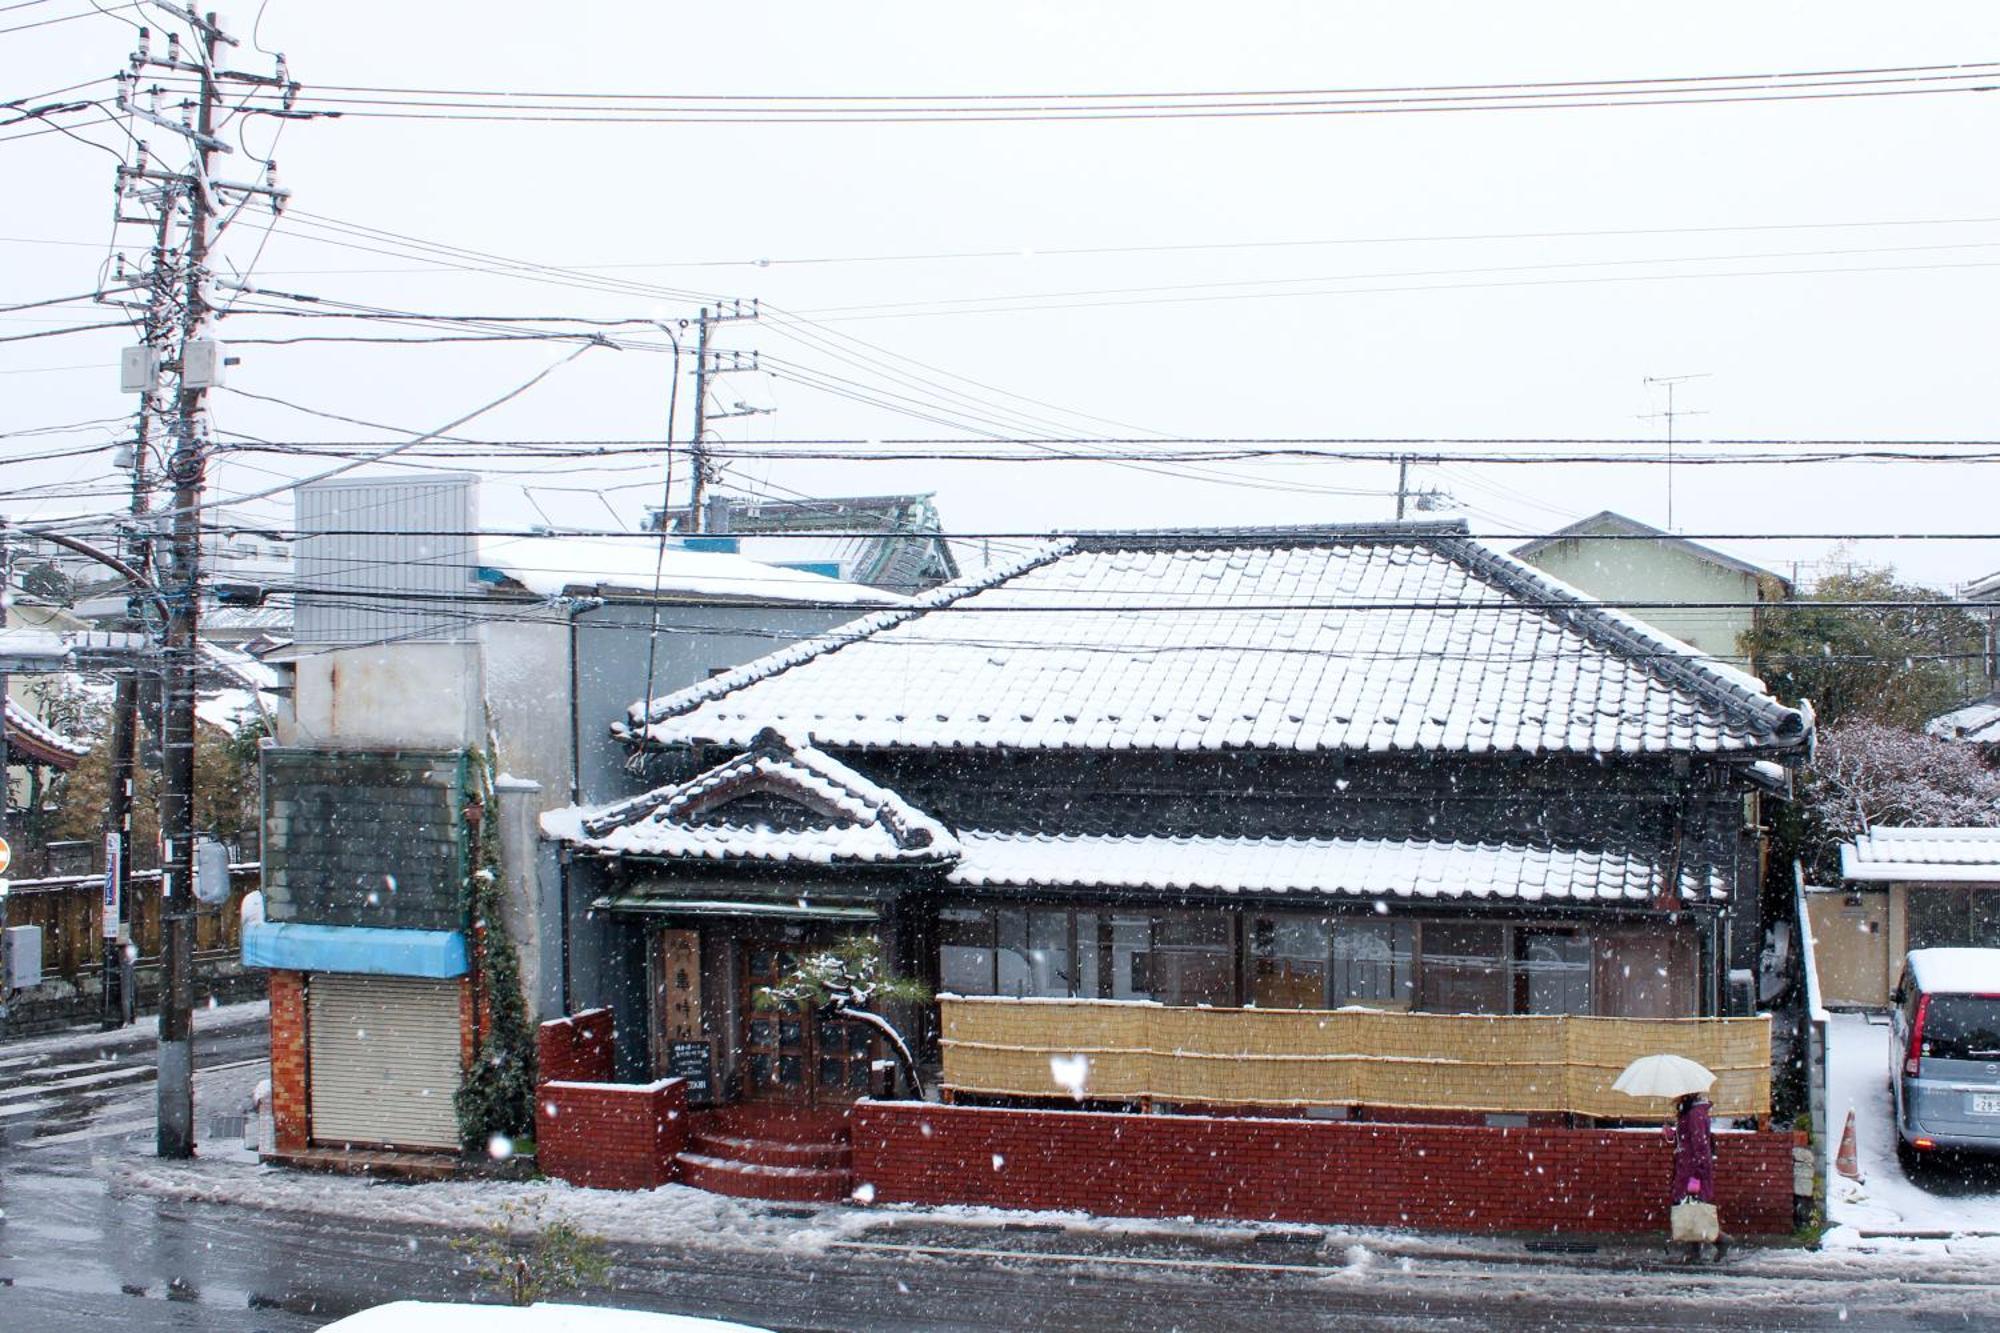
x=1292 y=1057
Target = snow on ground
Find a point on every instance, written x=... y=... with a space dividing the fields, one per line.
x=672 y=1215
x=92 y=1038
x=1946 y=1202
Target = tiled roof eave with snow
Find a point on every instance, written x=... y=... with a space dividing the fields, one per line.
x=1412 y=639
x=841 y=846
x=856 y=821
x=37 y=740
x=1325 y=868
x=1923 y=855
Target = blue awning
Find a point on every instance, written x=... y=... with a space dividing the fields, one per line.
x=297 y=947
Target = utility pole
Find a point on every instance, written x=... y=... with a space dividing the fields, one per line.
x=118 y=1001
x=1426 y=498
x=196 y=365
x=1671 y=382
x=707 y=365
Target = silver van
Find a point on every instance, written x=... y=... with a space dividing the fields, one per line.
x=1944 y=1052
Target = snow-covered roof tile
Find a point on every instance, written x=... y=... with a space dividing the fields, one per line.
x=853 y=821
x=42 y=742
x=1407 y=636
x=1925 y=854
x=1340 y=867
x=1977 y=723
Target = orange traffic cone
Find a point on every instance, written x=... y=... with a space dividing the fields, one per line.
x=1844 y=1161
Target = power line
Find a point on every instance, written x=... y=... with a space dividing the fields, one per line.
x=578 y=107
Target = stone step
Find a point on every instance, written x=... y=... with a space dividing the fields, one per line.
x=754 y=1180
x=770 y=1152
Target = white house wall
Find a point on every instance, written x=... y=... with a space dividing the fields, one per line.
x=1621 y=572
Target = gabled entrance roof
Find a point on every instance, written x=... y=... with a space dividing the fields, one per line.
x=779 y=801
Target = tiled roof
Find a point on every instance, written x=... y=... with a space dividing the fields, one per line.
x=1932 y=854
x=42 y=742
x=1977 y=723
x=1342 y=867
x=1403 y=637
x=855 y=821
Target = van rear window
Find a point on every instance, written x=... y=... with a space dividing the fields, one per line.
x=1962 y=1027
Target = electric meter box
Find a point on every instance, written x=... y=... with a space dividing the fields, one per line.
x=201 y=363
x=211 y=872
x=20 y=958
x=138 y=368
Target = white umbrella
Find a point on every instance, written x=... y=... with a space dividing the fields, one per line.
x=1663 y=1076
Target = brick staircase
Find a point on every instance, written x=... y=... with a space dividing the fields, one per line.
x=795 y=1155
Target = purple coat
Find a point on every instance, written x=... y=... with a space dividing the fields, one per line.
x=1694 y=1155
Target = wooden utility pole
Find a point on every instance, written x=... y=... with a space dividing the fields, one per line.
x=196 y=364
x=188 y=470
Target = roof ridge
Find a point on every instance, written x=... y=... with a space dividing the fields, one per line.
x=1286 y=534
x=1630 y=637
x=642 y=715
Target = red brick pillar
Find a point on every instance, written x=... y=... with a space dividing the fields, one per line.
x=289 y=1101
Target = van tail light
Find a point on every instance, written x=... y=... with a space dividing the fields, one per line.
x=1915 y=1051
x=1925 y=1144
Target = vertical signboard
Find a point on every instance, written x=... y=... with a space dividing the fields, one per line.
x=113 y=848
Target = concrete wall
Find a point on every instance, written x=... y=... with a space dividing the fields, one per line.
x=694 y=642
x=1644 y=571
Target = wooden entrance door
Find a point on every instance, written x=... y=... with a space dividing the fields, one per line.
x=792 y=1056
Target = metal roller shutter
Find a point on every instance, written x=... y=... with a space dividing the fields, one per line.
x=383 y=1055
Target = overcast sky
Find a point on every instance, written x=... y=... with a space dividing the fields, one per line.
x=1263 y=276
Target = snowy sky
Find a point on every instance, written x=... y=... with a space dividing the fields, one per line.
x=1125 y=242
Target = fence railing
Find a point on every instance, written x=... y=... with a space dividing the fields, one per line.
x=70 y=911
x=1120 y=1051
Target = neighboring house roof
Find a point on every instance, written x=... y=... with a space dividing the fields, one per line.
x=1936 y=855
x=1608 y=523
x=828 y=814
x=1364 y=638
x=1977 y=723
x=552 y=565
x=1344 y=867
x=1985 y=589
x=884 y=541
x=35 y=739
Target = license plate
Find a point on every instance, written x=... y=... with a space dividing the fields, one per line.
x=1985 y=1103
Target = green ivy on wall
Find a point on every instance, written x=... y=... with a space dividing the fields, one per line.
x=497 y=1095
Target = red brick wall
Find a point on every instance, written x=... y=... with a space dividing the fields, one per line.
x=288 y=1061
x=576 y=1049
x=620 y=1136
x=1436 y=1177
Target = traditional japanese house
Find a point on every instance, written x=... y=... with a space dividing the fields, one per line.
x=1380 y=766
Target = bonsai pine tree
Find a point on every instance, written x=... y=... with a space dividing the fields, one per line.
x=845 y=983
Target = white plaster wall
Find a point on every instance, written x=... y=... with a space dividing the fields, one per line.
x=415 y=696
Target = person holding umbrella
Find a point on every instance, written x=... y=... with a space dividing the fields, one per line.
x=1691 y=1191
